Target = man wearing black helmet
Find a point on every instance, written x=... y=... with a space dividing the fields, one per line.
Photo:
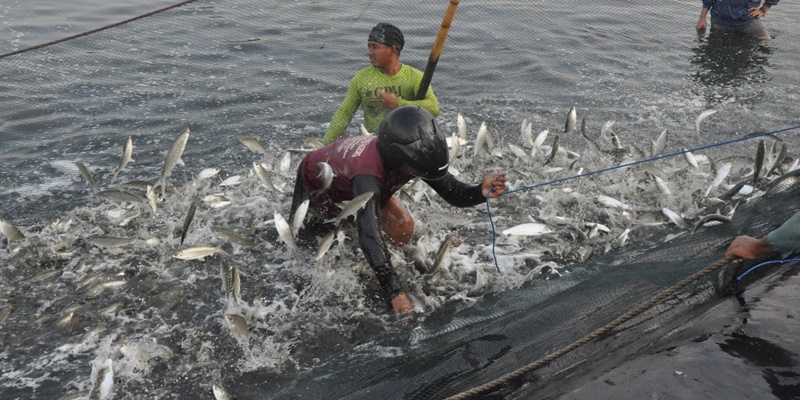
x=381 y=87
x=409 y=144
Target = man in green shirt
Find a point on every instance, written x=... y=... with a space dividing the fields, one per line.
x=381 y=87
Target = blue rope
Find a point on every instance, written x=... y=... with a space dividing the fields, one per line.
x=739 y=278
x=626 y=165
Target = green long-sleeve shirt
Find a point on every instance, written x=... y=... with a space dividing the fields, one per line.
x=365 y=91
x=786 y=239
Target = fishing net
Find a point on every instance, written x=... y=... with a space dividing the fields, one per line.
x=277 y=71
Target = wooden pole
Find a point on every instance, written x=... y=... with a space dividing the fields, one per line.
x=437 y=49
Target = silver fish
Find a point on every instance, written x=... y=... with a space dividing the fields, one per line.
x=207 y=173
x=572 y=120
x=224 y=275
x=110 y=241
x=526 y=130
x=455 y=146
x=324 y=245
x=314 y=143
x=86 y=175
x=285 y=231
x=231 y=181
x=722 y=173
x=153 y=198
x=363 y=130
x=254 y=145
x=660 y=144
x=234 y=237
x=553 y=150
x=449 y=242
x=690 y=159
x=584 y=130
x=138 y=184
x=220 y=393
x=299 y=216
x=197 y=253
x=711 y=217
x=529 y=229
x=462 y=127
x=604 y=131
x=622 y=238
x=612 y=202
x=703 y=115
x=121 y=196
x=188 y=220
x=540 y=138
x=481 y=141
x=615 y=139
x=172 y=158
x=760 y=155
x=285 y=164
x=238 y=324
x=777 y=160
x=231 y=282
x=127 y=150
x=353 y=206
x=11 y=231
x=662 y=186
x=263 y=176
x=102 y=378
x=675 y=218
x=326 y=175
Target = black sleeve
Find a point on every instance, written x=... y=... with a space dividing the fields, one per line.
x=369 y=233
x=457 y=193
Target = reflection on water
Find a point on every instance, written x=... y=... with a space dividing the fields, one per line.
x=730 y=66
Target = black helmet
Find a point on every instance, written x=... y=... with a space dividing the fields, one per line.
x=409 y=135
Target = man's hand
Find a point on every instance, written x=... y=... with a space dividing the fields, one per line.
x=756 y=12
x=749 y=248
x=496 y=183
x=389 y=100
x=701 y=25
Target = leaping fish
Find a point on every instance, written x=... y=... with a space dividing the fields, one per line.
x=285 y=231
x=325 y=244
x=527 y=134
x=299 y=216
x=711 y=217
x=325 y=175
x=722 y=173
x=528 y=229
x=675 y=218
x=703 y=115
x=572 y=120
x=197 y=253
x=86 y=175
x=760 y=154
x=11 y=231
x=172 y=158
x=254 y=145
x=481 y=141
x=126 y=157
x=188 y=220
x=553 y=150
x=462 y=127
x=660 y=144
x=353 y=206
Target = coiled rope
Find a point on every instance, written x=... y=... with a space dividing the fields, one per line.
x=658 y=298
